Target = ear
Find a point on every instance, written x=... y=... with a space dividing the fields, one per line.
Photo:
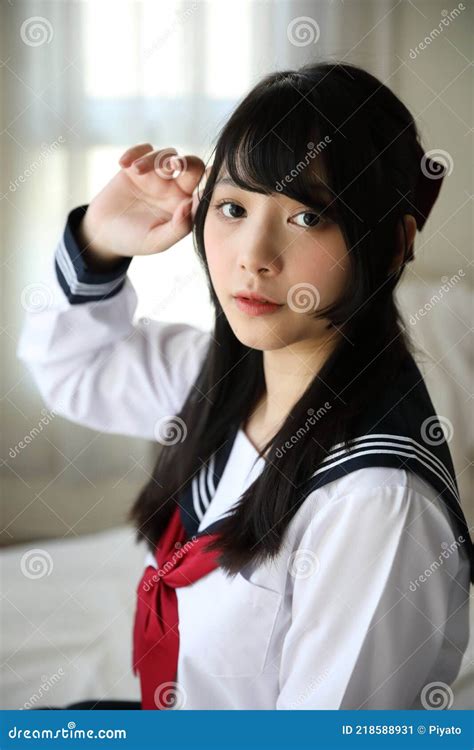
x=410 y=229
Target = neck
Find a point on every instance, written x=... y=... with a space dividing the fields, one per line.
x=288 y=373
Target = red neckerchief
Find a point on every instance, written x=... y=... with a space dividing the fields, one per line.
x=156 y=627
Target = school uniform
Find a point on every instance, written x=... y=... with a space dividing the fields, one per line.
x=365 y=606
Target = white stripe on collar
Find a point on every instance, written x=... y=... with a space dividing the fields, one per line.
x=407 y=448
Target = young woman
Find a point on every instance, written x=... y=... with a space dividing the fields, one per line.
x=306 y=543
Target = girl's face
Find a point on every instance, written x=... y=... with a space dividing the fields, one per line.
x=279 y=248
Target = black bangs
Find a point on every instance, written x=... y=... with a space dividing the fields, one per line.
x=278 y=146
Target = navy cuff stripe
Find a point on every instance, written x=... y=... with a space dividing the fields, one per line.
x=80 y=298
x=78 y=282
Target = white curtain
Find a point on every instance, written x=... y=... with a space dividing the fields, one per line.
x=82 y=81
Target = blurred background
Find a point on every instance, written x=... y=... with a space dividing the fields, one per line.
x=80 y=83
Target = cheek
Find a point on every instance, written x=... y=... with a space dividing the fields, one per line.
x=324 y=264
x=217 y=258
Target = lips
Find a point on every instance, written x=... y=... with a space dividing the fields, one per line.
x=256 y=300
x=254 y=307
x=254 y=297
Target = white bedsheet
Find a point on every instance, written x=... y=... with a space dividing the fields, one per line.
x=67 y=635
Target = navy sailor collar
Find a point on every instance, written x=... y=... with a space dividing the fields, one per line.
x=400 y=430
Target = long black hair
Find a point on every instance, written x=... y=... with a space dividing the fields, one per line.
x=366 y=147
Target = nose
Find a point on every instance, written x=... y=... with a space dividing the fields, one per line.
x=260 y=256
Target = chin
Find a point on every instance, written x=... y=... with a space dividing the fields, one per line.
x=256 y=335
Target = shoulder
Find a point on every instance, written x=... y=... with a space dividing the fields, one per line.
x=370 y=480
x=366 y=485
x=375 y=511
x=377 y=525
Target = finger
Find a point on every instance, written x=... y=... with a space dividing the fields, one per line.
x=134 y=153
x=191 y=168
x=156 y=160
x=165 y=235
x=182 y=216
